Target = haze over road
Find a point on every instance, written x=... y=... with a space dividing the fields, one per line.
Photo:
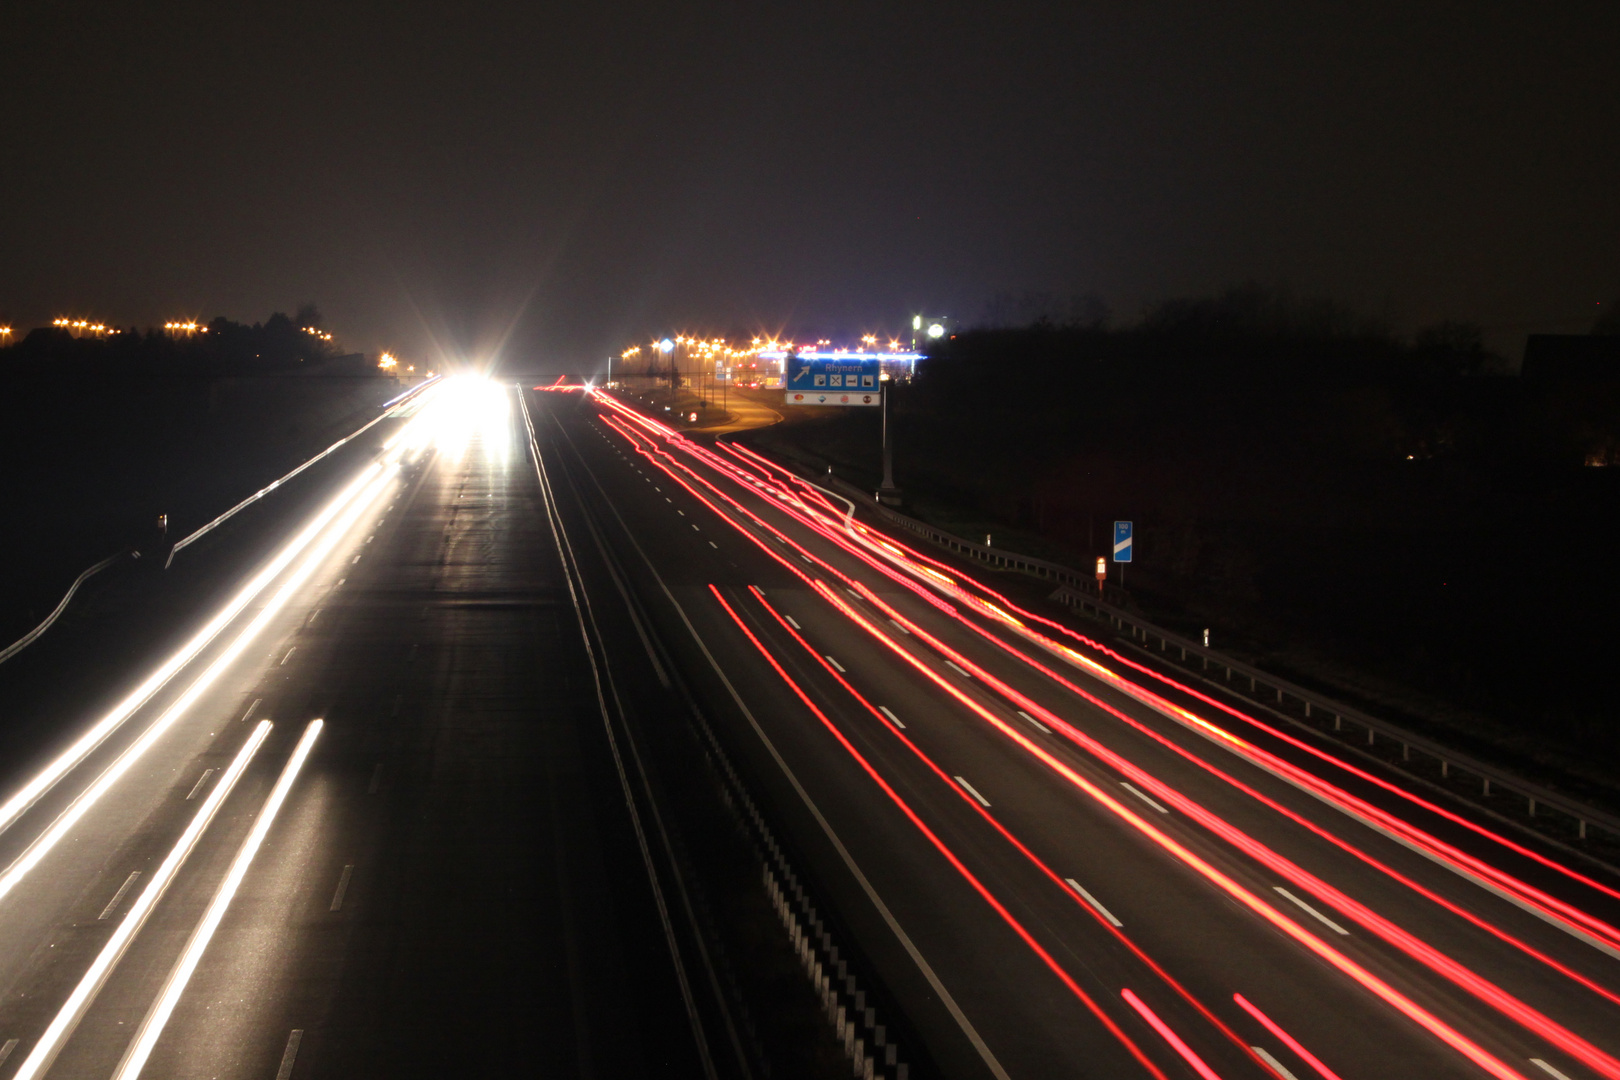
x=413 y=804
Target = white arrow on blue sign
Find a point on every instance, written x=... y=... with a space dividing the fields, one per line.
x=1122 y=541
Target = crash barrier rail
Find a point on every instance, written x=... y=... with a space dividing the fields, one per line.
x=268 y=488
x=29 y=638
x=1078 y=591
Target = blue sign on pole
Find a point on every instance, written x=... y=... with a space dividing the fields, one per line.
x=838 y=380
x=1122 y=541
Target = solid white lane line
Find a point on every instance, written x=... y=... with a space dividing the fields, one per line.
x=112 y=905
x=342 y=887
x=201 y=780
x=835 y=664
x=152 y=1026
x=1042 y=728
x=250 y=708
x=958 y=670
x=971 y=790
x=792 y=623
x=376 y=779
x=1312 y=912
x=91 y=739
x=1093 y=901
x=898 y=627
x=57 y=1032
x=1278 y=1067
x=290 y=1055
x=1141 y=795
x=895 y=720
x=1537 y=1062
x=290 y=651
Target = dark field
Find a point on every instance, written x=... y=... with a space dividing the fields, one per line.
x=92 y=462
x=1399 y=526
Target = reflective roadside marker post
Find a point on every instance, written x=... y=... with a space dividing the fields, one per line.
x=1206 y=637
x=1102 y=575
x=1122 y=547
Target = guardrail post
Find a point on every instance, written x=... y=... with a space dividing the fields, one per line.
x=1307 y=709
x=1445 y=768
x=1279 y=695
x=1338 y=722
x=1370 y=734
x=1406 y=752
x=1532 y=806
x=1583 y=829
x=1487 y=784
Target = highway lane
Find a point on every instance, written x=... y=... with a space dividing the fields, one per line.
x=1207 y=937
x=444 y=888
x=482 y=866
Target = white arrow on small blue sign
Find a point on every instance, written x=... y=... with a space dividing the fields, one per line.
x=1122 y=541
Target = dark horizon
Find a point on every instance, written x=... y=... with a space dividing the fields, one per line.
x=556 y=184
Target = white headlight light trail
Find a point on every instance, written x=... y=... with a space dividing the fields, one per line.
x=152 y=1027
x=56 y=1034
x=80 y=806
x=31 y=792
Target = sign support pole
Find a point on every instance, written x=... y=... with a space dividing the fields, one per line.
x=888 y=493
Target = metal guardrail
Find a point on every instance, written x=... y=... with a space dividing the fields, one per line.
x=1536 y=796
x=29 y=638
x=268 y=488
x=997 y=557
x=1077 y=590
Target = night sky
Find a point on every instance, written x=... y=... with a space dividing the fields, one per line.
x=567 y=178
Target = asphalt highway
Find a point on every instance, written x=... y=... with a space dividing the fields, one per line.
x=1062 y=864
x=447 y=884
x=493 y=753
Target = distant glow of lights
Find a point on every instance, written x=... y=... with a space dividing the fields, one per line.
x=387 y=362
x=935 y=330
x=838 y=354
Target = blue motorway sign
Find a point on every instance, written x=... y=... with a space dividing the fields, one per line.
x=838 y=380
x=1122 y=541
